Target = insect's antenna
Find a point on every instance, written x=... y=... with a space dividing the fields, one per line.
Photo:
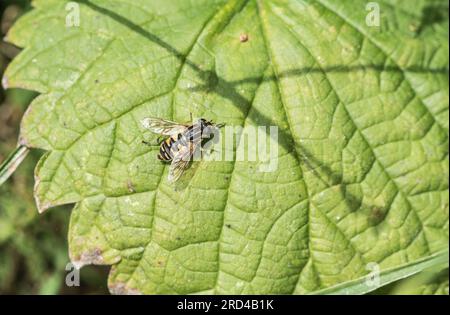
x=192 y=119
x=220 y=125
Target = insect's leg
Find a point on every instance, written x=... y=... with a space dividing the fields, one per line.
x=160 y=140
x=192 y=119
x=208 y=151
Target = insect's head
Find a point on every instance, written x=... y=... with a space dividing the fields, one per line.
x=209 y=130
x=209 y=123
x=205 y=123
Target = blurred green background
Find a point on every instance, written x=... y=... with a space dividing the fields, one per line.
x=33 y=248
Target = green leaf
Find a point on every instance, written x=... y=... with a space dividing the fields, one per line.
x=362 y=114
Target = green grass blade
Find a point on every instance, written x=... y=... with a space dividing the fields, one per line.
x=360 y=286
x=8 y=167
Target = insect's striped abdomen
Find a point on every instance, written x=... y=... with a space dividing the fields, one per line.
x=170 y=147
x=165 y=151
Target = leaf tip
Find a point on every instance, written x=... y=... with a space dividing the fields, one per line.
x=5 y=82
x=41 y=206
x=90 y=257
x=23 y=141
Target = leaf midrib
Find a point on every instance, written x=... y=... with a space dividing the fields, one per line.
x=178 y=76
x=296 y=154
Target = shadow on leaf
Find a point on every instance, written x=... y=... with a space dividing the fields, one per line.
x=227 y=89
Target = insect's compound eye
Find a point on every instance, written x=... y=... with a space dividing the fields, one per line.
x=204 y=123
x=199 y=123
x=212 y=133
x=206 y=132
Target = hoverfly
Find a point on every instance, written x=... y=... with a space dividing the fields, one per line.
x=181 y=143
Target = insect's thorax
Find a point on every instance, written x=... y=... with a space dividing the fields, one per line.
x=192 y=133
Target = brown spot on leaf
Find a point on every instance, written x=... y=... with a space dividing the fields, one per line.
x=160 y=263
x=243 y=38
x=130 y=186
x=376 y=215
x=91 y=257
x=121 y=288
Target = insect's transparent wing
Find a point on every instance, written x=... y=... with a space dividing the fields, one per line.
x=162 y=126
x=180 y=163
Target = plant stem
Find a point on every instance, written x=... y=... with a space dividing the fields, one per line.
x=8 y=167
